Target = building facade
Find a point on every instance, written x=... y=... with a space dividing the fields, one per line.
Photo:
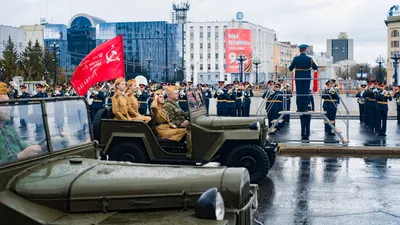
x=282 y=59
x=206 y=52
x=17 y=36
x=33 y=33
x=393 y=40
x=340 y=49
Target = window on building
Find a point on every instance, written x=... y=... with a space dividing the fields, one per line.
x=208 y=34
x=209 y=45
x=191 y=56
x=201 y=55
x=209 y=67
x=201 y=45
x=395 y=33
x=201 y=34
x=216 y=66
x=208 y=55
x=201 y=77
x=209 y=77
x=395 y=44
x=216 y=55
x=226 y=77
x=192 y=46
x=201 y=67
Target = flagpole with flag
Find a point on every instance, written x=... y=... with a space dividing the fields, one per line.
x=105 y=62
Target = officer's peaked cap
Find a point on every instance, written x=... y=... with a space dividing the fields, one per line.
x=303 y=46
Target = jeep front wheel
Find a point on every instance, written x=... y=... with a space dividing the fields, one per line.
x=101 y=114
x=253 y=158
x=128 y=152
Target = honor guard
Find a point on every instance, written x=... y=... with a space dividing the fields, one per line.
x=183 y=103
x=99 y=99
x=143 y=97
x=23 y=107
x=367 y=94
x=397 y=97
x=58 y=107
x=37 y=109
x=247 y=94
x=230 y=102
x=330 y=97
x=382 y=97
x=206 y=96
x=221 y=94
x=12 y=94
x=305 y=120
x=371 y=107
x=238 y=100
x=361 y=101
x=273 y=105
x=302 y=65
x=287 y=92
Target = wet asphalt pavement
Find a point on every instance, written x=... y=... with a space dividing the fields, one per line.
x=318 y=190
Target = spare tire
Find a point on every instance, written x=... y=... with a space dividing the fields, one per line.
x=101 y=114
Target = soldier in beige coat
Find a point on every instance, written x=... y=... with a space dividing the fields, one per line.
x=132 y=102
x=119 y=103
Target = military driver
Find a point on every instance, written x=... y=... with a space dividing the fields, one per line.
x=11 y=145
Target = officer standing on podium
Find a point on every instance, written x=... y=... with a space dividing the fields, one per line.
x=303 y=65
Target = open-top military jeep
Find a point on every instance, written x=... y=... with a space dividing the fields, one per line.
x=62 y=182
x=231 y=141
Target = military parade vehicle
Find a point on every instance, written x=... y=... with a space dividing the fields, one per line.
x=52 y=176
x=231 y=141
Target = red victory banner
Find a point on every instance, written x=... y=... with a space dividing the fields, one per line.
x=238 y=41
x=105 y=62
x=315 y=89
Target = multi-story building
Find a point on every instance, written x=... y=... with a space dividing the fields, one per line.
x=17 y=36
x=282 y=58
x=209 y=58
x=33 y=33
x=340 y=49
x=393 y=39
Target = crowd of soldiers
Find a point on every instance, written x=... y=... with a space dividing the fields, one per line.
x=373 y=98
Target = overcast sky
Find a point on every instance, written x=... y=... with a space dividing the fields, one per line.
x=311 y=21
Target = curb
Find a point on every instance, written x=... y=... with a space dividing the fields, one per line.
x=342 y=150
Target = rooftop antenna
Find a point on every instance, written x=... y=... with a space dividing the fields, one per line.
x=181 y=10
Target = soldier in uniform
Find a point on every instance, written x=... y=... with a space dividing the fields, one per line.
x=285 y=89
x=12 y=94
x=370 y=111
x=99 y=99
x=206 y=96
x=183 y=101
x=238 y=100
x=272 y=105
x=397 y=97
x=382 y=97
x=303 y=65
x=142 y=96
x=59 y=107
x=132 y=102
x=119 y=104
x=230 y=102
x=361 y=102
x=221 y=94
x=330 y=97
x=247 y=94
x=37 y=110
x=176 y=115
x=23 y=107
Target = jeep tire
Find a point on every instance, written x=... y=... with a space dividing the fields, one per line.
x=128 y=152
x=272 y=157
x=253 y=158
x=101 y=114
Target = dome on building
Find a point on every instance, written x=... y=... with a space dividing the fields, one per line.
x=83 y=20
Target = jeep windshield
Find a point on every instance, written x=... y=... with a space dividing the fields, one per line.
x=27 y=131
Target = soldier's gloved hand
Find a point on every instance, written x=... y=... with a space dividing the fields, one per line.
x=95 y=92
x=30 y=151
x=221 y=91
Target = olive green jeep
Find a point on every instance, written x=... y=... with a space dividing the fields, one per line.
x=231 y=141
x=50 y=175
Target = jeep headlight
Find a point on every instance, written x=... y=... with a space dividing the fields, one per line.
x=210 y=205
x=255 y=126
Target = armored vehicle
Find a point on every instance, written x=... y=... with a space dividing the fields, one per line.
x=52 y=176
x=231 y=141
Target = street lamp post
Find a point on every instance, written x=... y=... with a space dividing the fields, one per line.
x=148 y=67
x=174 y=65
x=55 y=48
x=380 y=61
x=361 y=71
x=46 y=73
x=2 y=72
x=241 y=58
x=395 y=56
x=256 y=63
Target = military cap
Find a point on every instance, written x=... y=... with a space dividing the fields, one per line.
x=245 y=83
x=190 y=82
x=130 y=82
x=171 y=89
x=22 y=86
x=39 y=85
x=236 y=82
x=270 y=82
x=277 y=84
x=229 y=85
x=163 y=83
x=303 y=46
x=159 y=92
x=363 y=85
x=3 y=88
x=328 y=82
x=221 y=81
x=142 y=85
x=59 y=85
x=333 y=80
x=382 y=82
x=119 y=80
x=205 y=85
x=183 y=84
